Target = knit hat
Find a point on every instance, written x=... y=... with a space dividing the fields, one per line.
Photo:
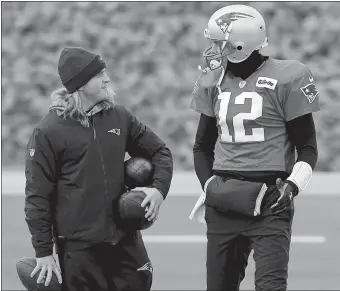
x=77 y=66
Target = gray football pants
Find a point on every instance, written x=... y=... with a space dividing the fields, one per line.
x=231 y=237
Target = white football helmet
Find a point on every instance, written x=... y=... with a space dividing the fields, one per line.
x=236 y=31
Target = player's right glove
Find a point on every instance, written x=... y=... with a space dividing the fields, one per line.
x=287 y=191
x=295 y=183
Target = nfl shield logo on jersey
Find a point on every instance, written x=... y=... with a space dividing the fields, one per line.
x=310 y=92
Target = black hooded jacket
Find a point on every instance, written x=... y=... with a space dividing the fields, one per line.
x=75 y=175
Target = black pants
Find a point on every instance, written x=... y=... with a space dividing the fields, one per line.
x=105 y=267
x=231 y=237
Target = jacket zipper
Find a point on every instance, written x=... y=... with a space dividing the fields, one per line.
x=103 y=166
x=94 y=133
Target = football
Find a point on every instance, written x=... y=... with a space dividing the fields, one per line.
x=131 y=213
x=137 y=172
x=25 y=267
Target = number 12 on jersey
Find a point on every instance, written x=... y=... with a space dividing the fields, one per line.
x=238 y=120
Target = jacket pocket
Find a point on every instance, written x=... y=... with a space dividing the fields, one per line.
x=69 y=211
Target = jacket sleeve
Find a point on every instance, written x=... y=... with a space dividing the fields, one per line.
x=40 y=171
x=205 y=141
x=143 y=142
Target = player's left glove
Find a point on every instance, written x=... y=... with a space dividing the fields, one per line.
x=288 y=190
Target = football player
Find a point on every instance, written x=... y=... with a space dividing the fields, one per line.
x=255 y=114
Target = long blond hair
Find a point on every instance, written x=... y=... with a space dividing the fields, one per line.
x=69 y=105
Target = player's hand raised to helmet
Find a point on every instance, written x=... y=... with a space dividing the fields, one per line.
x=153 y=201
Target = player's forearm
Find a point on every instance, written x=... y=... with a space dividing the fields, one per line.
x=203 y=167
x=308 y=154
x=302 y=133
x=203 y=150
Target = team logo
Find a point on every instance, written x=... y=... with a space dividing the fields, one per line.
x=264 y=82
x=32 y=151
x=224 y=21
x=310 y=92
x=115 y=131
x=146 y=267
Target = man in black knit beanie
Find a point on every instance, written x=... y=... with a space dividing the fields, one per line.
x=75 y=176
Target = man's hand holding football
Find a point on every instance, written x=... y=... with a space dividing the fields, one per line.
x=154 y=200
x=47 y=265
x=287 y=194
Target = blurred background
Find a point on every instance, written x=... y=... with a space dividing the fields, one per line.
x=152 y=50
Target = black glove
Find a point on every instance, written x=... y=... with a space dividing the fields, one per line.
x=288 y=190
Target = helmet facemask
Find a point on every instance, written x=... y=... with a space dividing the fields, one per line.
x=224 y=48
x=214 y=57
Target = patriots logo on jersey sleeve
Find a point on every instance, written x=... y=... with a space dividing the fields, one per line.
x=310 y=92
x=224 y=21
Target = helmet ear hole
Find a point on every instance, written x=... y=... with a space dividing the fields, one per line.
x=239 y=47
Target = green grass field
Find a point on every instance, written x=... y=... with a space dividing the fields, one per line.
x=178 y=253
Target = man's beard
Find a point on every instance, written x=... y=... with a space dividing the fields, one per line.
x=110 y=95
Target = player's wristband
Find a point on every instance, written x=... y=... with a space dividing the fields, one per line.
x=301 y=175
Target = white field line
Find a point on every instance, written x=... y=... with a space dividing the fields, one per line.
x=185 y=184
x=170 y=239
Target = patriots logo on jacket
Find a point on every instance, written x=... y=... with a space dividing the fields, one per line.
x=146 y=267
x=310 y=92
x=224 y=21
x=115 y=130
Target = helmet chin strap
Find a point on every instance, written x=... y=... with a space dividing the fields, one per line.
x=218 y=85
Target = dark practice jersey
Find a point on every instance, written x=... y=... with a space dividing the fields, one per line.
x=251 y=115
